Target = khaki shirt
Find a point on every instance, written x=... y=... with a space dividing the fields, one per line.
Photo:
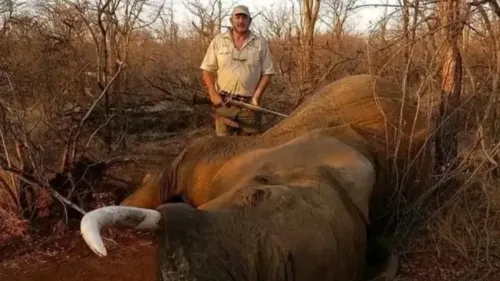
x=238 y=72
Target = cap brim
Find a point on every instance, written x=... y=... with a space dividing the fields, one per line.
x=240 y=12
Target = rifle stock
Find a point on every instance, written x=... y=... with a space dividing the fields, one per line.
x=201 y=99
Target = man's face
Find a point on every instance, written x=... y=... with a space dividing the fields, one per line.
x=240 y=22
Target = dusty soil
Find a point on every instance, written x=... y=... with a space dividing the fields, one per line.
x=132 y=256
x=70 y=259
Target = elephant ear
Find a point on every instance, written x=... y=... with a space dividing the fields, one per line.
x=306 y=177
x=333 y=177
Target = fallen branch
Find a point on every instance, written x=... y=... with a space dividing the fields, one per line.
x=33 y=183
x=166 y=91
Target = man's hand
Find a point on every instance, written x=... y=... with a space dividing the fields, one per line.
x=255 y=101
x=261 y=87
x=215 y=98
x=209 y=80
x=256 y=97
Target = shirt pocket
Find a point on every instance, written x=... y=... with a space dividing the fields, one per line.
x=224 y=56
x=253 y=56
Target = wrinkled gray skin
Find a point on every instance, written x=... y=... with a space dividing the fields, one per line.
x=266 y=233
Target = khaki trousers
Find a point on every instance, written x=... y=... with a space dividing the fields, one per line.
x=249 y=122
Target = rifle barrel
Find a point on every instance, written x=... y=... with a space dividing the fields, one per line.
x=203 y=99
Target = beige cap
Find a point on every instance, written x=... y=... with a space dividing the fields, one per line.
x=241 y=9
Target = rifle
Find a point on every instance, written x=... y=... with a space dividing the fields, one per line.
x=204 y=99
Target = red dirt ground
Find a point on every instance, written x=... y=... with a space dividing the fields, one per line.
x=132 y=256
x=70 y=259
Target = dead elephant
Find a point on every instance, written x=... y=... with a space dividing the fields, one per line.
x=271 y=223
x=364 y=106
x=258 y=232
x=287 y=220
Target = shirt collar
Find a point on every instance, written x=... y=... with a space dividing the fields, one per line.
x=251 y=35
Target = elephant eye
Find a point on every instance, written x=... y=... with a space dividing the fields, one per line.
x=256 y=196
x=261 y=179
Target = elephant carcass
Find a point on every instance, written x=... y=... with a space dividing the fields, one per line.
x=365 y=104
x=256 y=232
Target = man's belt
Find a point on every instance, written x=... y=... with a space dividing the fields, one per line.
x=236 y=97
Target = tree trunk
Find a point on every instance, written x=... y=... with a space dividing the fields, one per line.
x=310 y=10
x=447 y=119
x=488 y=120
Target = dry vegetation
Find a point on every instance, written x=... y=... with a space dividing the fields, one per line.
x=86 y=83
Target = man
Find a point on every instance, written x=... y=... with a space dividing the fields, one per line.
x=243 y=64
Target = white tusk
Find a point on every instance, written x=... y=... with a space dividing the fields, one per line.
x=93 y=221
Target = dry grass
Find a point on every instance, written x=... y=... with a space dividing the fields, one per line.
x=11 y=224
x=456 y=215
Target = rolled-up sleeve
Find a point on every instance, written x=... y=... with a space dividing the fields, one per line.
x=209 y=62
x=267 y=60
